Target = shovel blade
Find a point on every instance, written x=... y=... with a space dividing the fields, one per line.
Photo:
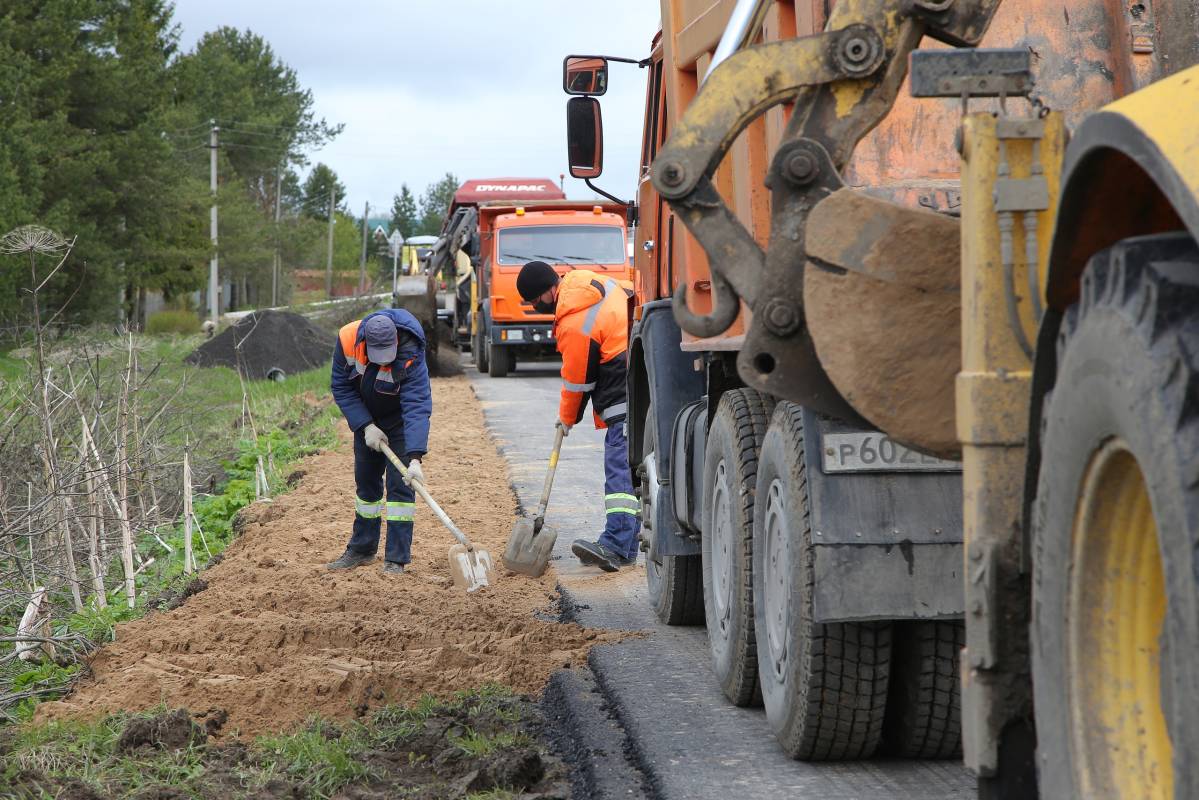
x=528 y=551
x=471 y=569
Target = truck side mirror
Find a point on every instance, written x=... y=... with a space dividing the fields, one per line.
x=585 y=75
x=584 y=137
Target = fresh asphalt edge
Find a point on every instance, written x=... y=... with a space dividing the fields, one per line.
x=586 y=722
x=585 y=733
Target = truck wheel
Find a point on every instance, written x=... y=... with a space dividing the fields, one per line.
x=497 y=360
x=675 y=583
x=924 y=701
x=479 y=351
x=730 y=474
x=824 y=685
x=1116 y=530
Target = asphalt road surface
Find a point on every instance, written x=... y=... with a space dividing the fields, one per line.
x=686 y=738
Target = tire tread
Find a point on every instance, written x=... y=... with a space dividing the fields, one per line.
x=839 y=702
x=744 y=412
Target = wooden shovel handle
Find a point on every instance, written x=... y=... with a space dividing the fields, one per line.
x=424 y=493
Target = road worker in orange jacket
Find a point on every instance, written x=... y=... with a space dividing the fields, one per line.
x=591 y=327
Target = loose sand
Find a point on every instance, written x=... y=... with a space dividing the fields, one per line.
x=276 y=637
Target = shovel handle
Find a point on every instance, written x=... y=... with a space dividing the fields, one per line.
x=559 y=435
x=424 y=493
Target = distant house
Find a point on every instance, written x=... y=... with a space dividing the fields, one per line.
x=380 y=228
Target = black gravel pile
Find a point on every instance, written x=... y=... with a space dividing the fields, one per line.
x=267 y=343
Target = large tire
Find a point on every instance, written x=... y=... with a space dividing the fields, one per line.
x=824 y=685
x=497 y=360
x=675 y=583
x=1116 y=531
x=730 y=475
x=924 y=702
x=478 y=348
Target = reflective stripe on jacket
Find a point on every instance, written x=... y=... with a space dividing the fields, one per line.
x=389 y=395
x=591 y=326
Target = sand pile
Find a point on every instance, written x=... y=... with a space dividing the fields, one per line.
x=276 y=637
x=265 y=341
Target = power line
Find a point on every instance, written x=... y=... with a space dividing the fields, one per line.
x=230 y=129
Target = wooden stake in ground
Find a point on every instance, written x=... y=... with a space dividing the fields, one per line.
x=123 y=483
x=93 y=528
x=120 y=509
x=189 y=558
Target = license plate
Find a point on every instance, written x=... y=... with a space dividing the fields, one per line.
x=516 y=335
x=873 y=452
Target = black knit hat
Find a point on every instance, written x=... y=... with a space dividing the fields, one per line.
x=535 y=279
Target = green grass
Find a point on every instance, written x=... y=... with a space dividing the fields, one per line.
x=320 y=759
x=173 y=322
x=476 y=744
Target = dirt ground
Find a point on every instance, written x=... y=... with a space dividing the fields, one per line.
x=275 y=637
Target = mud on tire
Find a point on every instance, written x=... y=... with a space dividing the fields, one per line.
x=730 y=477
x=1127 y=381
x=824 y=685
x=924 y=701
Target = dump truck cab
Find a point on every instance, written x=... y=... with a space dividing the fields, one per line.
x=565 y=234
x=494 y=227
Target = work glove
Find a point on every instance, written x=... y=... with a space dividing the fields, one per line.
x=415 y=473
x=375 y=437
x=562 y=426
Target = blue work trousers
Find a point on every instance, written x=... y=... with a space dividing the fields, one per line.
x=622 y=525
x=370 y=508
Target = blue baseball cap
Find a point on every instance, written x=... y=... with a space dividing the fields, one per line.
x=382 y=341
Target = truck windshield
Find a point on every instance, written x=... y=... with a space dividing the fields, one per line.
x=563 y=244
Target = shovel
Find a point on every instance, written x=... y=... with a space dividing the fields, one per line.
x=470 y=568
x=532 y=541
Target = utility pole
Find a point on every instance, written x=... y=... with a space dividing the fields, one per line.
x=214 y=283
x=366 y=212
x=278 y=258
x=329 y=263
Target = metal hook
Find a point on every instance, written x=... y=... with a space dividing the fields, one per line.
x=724 y=310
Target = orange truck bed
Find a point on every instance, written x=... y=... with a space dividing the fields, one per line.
x=1086 y=53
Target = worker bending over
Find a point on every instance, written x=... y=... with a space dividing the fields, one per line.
x=591 y=326
x=381 y=384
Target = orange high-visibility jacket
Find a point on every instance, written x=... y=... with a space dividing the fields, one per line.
x=591 y=325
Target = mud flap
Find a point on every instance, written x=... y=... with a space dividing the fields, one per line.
x=888 y=545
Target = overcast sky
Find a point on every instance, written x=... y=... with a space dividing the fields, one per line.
x=472 y=87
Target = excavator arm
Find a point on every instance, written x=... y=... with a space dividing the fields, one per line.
x=843 y=82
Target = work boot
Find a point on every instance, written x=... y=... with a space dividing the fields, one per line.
x=349 y=559
x=393 y=568
x=626 y=562
x=596 y=555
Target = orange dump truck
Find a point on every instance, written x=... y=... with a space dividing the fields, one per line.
x=495 y=227
x=867 y=242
